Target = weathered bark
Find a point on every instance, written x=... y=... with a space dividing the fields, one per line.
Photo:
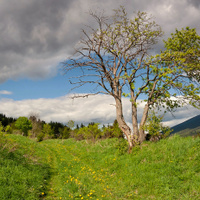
x=122 y=124
x=135 y=122
x=142 y=135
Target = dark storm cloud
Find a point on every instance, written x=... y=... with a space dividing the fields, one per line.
x=28 y=32
x=38 y=34
x=196 y=3
x=31 y=25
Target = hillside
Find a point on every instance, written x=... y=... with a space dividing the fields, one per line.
x=69 y=169
x=188 y=128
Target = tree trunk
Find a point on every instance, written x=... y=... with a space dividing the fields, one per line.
x=142 y=135
x=135 y=122
x=122 y=124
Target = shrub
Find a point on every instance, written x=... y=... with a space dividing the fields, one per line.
x=65 y=132
x=40 y=137
x=155 y=128
x=23 y=124
x=47 y=131
x=8 y=129
x=122 y=146
x=112 y=131
x=91 y=132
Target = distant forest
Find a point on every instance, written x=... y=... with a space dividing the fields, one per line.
x=33 y=127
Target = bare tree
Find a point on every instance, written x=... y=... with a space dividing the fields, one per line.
x=36 y=124
x=115 y=57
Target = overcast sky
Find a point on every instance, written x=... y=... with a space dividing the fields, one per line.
x=36 y=35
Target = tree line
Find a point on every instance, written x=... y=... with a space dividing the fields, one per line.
x=33 y=127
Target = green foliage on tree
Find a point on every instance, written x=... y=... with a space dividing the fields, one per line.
x=184 y=47
x=176 y=70
x=6 y=120
x=24 y=125
x=112 y=131
x=65 y=132
x=56 y=127
x=8 y=129
x=1 y=129
x=47 y=131
x=90 y=132
x=36 y=125
x=154 y=127
x=94 y=132
x=71 y=124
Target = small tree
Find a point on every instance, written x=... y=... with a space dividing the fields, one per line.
x=71 y=124
x=65 y=132
x=24 y=125
x=8 y=129
x=90 y=132
x=154 y=127
x=47 y=131
x=1 y=128
x=112 y=131
x=116 y=56
x=36 y=124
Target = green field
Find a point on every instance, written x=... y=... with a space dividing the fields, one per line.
x=69 y=169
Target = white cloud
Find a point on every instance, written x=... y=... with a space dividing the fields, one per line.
x=5 y=92
x=98 y=108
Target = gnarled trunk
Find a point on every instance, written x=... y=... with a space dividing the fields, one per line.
x=142 y=135
x=122 y=124
x=135 y=122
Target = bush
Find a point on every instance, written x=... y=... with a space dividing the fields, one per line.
x=47 y=131
x=65 y=132
x=122 y=147
x=23 y=124
x=8 y=129
x=155 y=128
x=91 y=132
x=40 y=137
x=112 y=131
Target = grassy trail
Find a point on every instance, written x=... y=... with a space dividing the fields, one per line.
x=166 y=170
x=69 y=169
x=77 y=175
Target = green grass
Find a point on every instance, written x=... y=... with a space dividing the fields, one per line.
x=168 y=169
x=23 y=174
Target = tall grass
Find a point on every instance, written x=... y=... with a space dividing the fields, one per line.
x=168 y=169
x=23 y=174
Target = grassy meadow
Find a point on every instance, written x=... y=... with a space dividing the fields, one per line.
x=69 y=169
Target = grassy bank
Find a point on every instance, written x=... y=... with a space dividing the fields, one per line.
x=168 y=169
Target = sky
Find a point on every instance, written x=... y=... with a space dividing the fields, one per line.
x=38 y=35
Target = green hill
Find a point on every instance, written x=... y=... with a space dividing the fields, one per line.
x=69 y=169
x=188 y=128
